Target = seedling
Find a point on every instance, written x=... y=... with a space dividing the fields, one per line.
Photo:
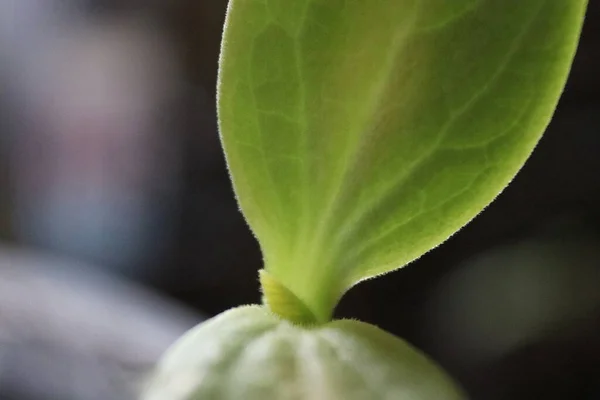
x=360 y=135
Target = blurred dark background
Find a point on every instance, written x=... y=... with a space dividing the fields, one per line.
x=119 y=228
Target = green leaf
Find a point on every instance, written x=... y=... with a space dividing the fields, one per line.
x=362 y=133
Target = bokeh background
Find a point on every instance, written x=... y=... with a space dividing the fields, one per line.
x=119 y=229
